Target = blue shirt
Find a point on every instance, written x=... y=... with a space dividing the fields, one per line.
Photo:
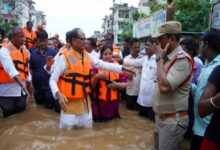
x=200 y=124
x=40 y=77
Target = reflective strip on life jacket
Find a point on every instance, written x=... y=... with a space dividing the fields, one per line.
x=20 y=60
x=76 y=83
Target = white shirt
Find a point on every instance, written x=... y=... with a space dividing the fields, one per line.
x=95 y=54
x=59 y=66
x=133 y=85
x=11 y=89
x=148 y=78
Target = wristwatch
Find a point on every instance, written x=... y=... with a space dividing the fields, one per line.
x=158 y=58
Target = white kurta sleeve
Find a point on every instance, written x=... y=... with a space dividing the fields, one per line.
x=59 y=69
x=98 y=63
x=134 y=62
x=7 y=63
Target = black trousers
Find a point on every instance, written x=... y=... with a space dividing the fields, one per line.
x=146 y=112
x=131 y=102
x=189 y=132
x=196 y=142
x=12 y=105
x=45 y=97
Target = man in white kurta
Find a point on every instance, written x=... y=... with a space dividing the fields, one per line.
x=81 y=115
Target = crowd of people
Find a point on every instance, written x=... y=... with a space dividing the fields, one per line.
x=173 y=81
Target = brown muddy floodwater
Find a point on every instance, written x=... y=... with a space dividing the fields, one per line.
x=37 y=129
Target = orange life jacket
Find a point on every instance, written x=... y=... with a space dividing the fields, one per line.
x=116 y=50
x=30 y=37
x=191 y=62
x=102 y=89
x=75 y=83
x=20 y=60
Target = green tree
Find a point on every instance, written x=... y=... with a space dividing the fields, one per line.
x=5 y=27
x=193 y=14
x=127 y=30
x=156 y=7
x=136 y=15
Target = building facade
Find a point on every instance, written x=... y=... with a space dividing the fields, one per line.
x=121 y=16
x=107 y=25
x=21 y=11
x=144 y=6
x=97 y=35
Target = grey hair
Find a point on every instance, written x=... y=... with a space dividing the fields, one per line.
x=13 y=31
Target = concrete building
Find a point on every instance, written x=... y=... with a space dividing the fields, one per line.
x=121 y=16
x=98 y=35
x=144 y=6
x=21 y=11
x=107 y=25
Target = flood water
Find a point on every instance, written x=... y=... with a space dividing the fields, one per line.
x=37 y=129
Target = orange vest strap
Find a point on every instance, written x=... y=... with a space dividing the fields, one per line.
x=74 y=81
x=97 y=91
x=188 y=77
x=17 y=62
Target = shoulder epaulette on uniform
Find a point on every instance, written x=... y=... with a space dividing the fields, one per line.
x=180 y=55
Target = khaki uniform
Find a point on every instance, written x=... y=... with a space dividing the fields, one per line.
x=177 y=99
x=169 y=132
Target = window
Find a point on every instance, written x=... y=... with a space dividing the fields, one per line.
x=119 y=37
x=123 y=14
x=121 y=24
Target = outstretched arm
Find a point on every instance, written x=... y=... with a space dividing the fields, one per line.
x=116 y=85
x=97 y=63
x=135 y=62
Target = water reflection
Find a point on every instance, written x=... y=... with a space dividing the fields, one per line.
x=37 y=128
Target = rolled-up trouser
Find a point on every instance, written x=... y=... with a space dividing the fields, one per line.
x=12 y=105
x=169 y=132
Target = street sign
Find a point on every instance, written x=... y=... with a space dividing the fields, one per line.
x=215 y=15
x=149 y=25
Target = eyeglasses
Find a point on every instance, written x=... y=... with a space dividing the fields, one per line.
x=82 y=39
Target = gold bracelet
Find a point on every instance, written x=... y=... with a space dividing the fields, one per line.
x=211 y=101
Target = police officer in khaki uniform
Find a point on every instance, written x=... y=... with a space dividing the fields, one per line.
x=170 y=98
